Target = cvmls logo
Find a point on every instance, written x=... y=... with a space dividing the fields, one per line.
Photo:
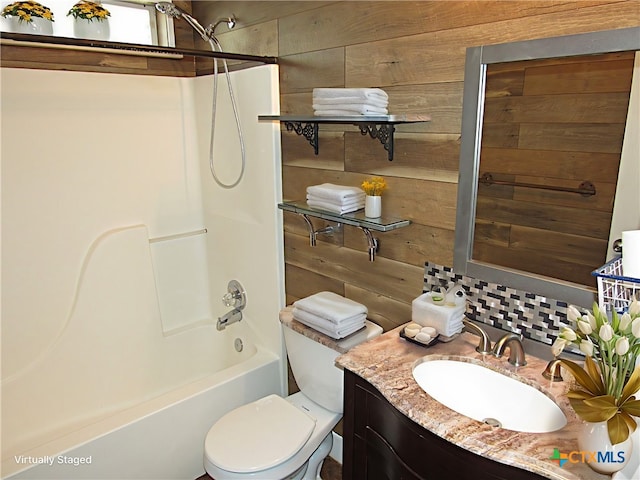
x=586 y=457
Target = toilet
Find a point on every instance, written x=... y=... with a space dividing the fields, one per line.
x=277 y=438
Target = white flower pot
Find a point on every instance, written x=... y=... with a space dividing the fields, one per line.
x=373 y=206
x=37 y=26
x=92 y=29
x=594 y=437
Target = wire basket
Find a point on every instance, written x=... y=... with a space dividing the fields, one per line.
x=615 y=291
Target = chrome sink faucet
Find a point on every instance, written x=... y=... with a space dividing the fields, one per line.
x=484 y=345
x=516 y=350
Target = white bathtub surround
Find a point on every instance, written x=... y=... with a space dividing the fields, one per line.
x=108 y=338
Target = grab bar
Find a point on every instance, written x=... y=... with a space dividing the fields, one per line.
x=585 y=189
x=177 y=236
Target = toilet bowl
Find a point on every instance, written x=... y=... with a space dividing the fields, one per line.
x=270 y=439
x=276 y=438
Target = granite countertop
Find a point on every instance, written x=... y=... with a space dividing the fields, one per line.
x=387 y=361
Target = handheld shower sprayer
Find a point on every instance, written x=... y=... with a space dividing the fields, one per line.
x=207 y=34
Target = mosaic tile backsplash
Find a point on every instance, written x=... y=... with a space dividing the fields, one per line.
x=535 y=317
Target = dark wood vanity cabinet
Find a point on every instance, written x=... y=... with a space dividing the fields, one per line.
x=382 y=443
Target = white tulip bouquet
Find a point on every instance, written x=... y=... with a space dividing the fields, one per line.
x=610 y=378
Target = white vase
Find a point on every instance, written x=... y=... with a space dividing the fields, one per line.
x=92 y=29
x=604 y=457
x=36 y=26
x=373 y=206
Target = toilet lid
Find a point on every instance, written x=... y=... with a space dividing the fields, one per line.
x=258 y=436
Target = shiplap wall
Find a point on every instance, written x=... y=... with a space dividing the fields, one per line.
x=415 y=51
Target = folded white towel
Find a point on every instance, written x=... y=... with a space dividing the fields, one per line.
x=374 y=101
x=330 y=306
x=332 y=207
x=352 y=202
x=327 y=327
x=335 y=193
x=361 y=93
x=351 y=109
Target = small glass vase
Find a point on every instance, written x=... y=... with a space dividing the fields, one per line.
x=91 y=29
x=608 y=458
x=372 y=206
x=36 y=26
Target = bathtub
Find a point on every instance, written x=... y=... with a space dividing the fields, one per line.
x=114 y=265
x=161 y=438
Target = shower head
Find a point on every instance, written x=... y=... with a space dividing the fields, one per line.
x=168 y=9
x=172 y=11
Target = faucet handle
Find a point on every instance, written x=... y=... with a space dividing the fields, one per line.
x=552 y=371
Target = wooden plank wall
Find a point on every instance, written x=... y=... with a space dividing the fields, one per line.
x=415 y=51
x=553 y=123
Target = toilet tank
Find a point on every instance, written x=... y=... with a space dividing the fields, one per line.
x=314 y=368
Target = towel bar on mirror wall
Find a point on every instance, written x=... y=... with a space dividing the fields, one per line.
x=585 y=189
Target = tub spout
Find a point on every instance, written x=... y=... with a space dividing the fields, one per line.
x=227 y=319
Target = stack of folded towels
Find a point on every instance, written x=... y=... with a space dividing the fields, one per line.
x=443 y=311
x=335 y=198
x=350 y=101
x=331 y=314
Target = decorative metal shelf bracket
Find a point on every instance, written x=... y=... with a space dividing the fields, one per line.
x=586 y=188
x=381 y=127
x=308 y=130
x=383 y=132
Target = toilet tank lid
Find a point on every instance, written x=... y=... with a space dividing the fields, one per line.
x=369 y=332
x=258 y=436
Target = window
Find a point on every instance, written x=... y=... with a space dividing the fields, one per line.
x=129 y=21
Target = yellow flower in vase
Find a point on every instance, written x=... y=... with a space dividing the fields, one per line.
x=374 y=186
x=89 y=11
x=373 y=189
x=27 y=11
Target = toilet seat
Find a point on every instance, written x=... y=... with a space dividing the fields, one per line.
x=259 y=435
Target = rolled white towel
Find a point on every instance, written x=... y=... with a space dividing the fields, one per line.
x=332 y=207
x=334 y=101
x=335 y=193
x=330 y=306
x=351 y=109
x=327 y=327
x=362 y=93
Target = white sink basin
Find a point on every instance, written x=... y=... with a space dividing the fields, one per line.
x=488 y=396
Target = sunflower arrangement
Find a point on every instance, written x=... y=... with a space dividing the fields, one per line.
x=26 y=11
x=608 y=383
x=374 y=186
x=89 y=11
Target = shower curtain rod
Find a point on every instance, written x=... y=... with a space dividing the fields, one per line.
x=26 y=39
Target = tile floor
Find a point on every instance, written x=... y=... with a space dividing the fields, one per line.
x=331 y=470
